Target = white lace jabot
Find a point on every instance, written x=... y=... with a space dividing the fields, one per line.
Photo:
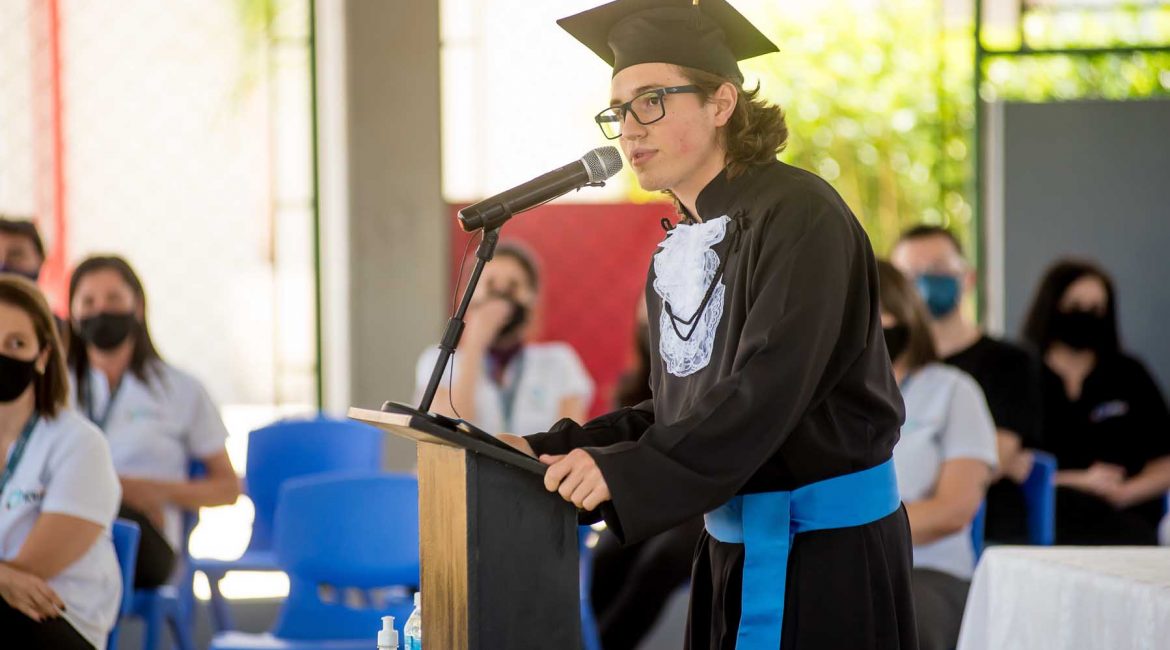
x=683 y=271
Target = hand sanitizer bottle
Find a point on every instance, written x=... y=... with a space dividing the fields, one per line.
x=413 y=629
x=388 y=636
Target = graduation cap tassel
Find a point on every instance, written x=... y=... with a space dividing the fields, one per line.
x=696 y=15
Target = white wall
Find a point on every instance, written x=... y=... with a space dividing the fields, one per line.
x=187 y=153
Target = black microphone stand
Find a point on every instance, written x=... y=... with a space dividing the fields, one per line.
x=490 y=223
x=454 y=331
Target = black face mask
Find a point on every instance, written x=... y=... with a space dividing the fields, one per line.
x=107 y=330
x=1081 y=330
x=897 y=338
x=15 y=376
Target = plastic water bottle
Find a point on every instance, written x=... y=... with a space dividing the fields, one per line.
x=413 y=629
x=388 y=636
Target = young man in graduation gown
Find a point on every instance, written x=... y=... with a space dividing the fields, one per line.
x=774 y=408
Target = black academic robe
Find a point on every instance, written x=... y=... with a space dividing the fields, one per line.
x=796 y=388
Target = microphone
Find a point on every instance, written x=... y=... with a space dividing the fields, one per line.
x=592 y=169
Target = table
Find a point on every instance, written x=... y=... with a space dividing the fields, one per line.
x=1069 y=598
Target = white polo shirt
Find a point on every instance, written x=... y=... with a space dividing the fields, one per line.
x=946 y=418
x=544 y=374
x=66 y=469
x=155 y=428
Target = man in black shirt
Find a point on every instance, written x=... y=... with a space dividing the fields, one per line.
x=933 y=258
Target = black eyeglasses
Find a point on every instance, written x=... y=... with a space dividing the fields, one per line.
x=646 y=108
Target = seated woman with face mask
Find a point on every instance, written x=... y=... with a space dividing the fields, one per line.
x=60 y=584
x=944 y=459
x=1105 y=418
x=156 y=417
x=502 y=382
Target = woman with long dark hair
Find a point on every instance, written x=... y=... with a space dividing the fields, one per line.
x=59 y=577
x=156 y=417
x=1105 y=418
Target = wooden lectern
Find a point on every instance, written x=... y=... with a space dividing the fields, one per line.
x=499 y=553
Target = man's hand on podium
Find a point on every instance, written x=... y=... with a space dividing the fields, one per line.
x=576 y=477
x=517 y=442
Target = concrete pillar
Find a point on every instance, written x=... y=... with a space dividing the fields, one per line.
x=384 y=222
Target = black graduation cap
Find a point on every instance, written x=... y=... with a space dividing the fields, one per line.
x=708 y=35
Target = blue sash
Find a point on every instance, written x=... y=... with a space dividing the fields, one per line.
x=765 y=524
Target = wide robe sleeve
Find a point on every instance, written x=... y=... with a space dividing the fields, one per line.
x=807 y=321
x=622 y=425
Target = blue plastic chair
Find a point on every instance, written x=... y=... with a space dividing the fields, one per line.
x=171 y=605
x=591 y=638
x=125 y=534
x=356 y=533
x=280 y=451
x=977 y=526
x=1040 y=498
x=165 y=605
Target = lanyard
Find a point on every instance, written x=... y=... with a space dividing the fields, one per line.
x=105 y=417
x=18 y=451
x=508 y=393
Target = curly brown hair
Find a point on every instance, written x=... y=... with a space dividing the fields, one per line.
x=756 y=132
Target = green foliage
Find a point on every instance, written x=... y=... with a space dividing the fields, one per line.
x=256 y=19
x=880 y=102
x=861 y=90
x=1103 y=75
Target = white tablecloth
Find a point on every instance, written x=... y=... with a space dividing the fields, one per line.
x=1069 y=598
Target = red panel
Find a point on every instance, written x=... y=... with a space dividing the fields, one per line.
x=593 y=260
x=49 y=146
x=54 y=267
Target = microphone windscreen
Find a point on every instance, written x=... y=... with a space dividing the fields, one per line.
x=602 y=163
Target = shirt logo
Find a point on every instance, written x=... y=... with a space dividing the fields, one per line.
x=143 y=414
x=1109 y=410
x=16 y=498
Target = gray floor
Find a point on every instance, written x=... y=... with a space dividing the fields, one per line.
x=258 y=616
x=668 y=634
x=251 y=616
